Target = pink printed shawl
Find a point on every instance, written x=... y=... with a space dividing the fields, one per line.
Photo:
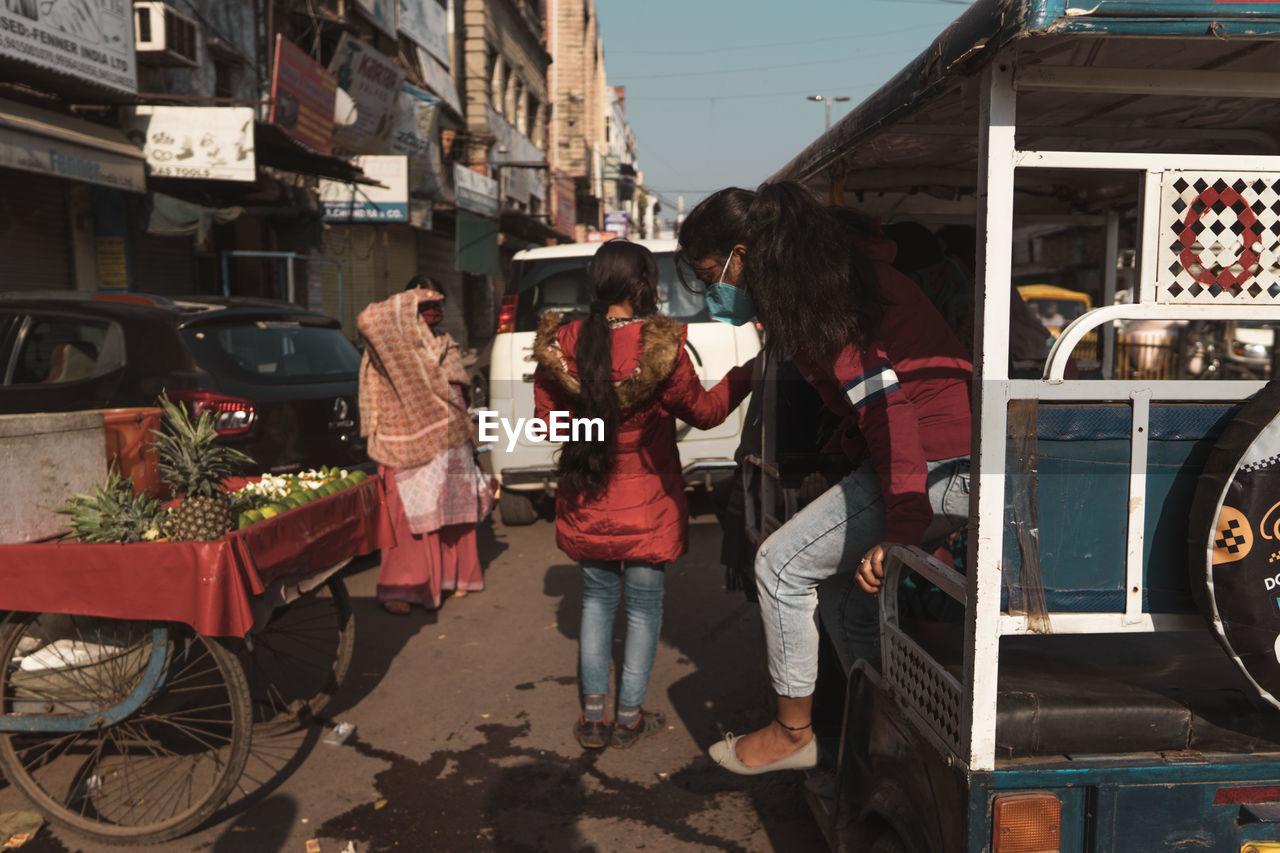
x=406 y=410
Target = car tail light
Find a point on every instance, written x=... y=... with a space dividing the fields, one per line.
x=1026 y=823
x=507 y=314
x=231 y=415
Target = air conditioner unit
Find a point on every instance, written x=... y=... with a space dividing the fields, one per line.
x=163 y=36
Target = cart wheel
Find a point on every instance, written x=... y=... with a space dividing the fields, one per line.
x=296 y=663
x=156 y=774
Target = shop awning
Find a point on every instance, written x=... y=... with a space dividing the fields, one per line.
x=279 y=150
x=36 y=140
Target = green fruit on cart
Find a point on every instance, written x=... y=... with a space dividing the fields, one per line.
x=358 y=477
x=270 y=511
x=252 y=516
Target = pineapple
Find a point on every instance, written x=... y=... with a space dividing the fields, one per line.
x=114 y=513
x=194 y=465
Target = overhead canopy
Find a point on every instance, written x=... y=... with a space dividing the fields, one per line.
x=278 y=149
x=49 y=143
x=918 y=134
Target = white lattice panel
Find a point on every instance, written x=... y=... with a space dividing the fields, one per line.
x=923 y=684
x=1219 y=240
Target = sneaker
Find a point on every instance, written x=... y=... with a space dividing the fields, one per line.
x=649 y=724
x=591 y=734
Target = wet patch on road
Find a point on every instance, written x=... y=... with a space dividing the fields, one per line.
x=499 y=795
x=563 y=680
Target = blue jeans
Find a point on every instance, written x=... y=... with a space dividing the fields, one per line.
x=828 y=536
x=602 y=585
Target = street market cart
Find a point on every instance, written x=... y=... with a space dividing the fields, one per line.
x=134 y=676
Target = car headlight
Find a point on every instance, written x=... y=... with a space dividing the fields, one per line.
x=1240 y=349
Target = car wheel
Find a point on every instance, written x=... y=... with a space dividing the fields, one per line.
x=516 y=509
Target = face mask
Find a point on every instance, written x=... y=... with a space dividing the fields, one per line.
x=727 y=303
x=431 y=316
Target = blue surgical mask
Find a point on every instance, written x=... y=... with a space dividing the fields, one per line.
x=729 y=304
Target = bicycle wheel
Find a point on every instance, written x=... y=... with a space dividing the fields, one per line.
x=298 y=660
x=154 y=775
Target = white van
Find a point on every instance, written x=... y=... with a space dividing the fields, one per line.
x=554 y=278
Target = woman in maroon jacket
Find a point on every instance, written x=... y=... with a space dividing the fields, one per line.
x=620 y=506
x=881 y=357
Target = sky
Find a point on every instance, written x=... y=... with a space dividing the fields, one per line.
x=716 y=89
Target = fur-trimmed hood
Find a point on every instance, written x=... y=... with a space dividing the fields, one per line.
x=661 y=340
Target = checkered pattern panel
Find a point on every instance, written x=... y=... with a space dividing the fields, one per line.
x=1219 y=238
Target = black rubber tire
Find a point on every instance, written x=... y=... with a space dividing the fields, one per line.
x=322 y=620
x=165 y=713
x=516 y=509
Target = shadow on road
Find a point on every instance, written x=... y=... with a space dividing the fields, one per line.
x=718 y=637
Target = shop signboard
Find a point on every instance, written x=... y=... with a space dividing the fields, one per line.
x=90 y=40
x=426 y=22
x=476 y=193
x=204 y=143
x=373 y=82
x=302 y=97
x=438 y=80
x=564 y=202
x=381 y=13
x=345 y=202
x=411 y=131
x=618 y=222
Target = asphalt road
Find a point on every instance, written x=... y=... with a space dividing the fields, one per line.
x=464 y=730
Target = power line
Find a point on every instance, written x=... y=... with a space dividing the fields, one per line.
x=810 y=90
x=768 y=67
x=768 y=44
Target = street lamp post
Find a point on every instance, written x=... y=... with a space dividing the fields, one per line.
x=827 y=101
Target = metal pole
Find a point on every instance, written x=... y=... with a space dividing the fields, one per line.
x=827 y=103
x=226 y=277
x=289 y=276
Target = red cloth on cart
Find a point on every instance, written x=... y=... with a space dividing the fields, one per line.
x=206 y=585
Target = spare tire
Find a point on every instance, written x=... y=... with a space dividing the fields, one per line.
x=1234 y=554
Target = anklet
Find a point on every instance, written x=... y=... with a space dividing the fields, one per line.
x=792 y=728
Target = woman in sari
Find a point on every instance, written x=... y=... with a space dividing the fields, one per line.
x=413 y=411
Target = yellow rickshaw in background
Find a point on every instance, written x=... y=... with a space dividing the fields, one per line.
x=1055 y=307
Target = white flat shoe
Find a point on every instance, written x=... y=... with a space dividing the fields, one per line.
x=725 y=753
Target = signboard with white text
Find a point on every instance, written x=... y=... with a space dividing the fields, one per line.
x=345 y=202
x=426 y=22
x=476 y=192
x=206 y=143
x=411 y=134
x=90 y=40
x=381 y=13
x=373 y=82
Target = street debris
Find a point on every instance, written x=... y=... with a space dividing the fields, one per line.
x=313 y=846
x=380 y=804
x=17 y=828
x=341 y=732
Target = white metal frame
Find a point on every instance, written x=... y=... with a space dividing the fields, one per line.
x=981 y=591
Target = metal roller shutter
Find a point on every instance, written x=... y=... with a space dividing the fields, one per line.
x=435 y=259
x=35 y=233
x=164 y=265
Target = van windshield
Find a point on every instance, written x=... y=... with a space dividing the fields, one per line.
x=560 y=284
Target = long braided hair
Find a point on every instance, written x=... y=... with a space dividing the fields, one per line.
x=619 y=272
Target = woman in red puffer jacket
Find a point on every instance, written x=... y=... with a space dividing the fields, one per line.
x=620 y=506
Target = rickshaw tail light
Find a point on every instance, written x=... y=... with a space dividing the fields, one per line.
x=507 y=314
x=1026 y=823
x=1243 y=796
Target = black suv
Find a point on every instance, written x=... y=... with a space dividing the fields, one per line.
x=281 y=380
